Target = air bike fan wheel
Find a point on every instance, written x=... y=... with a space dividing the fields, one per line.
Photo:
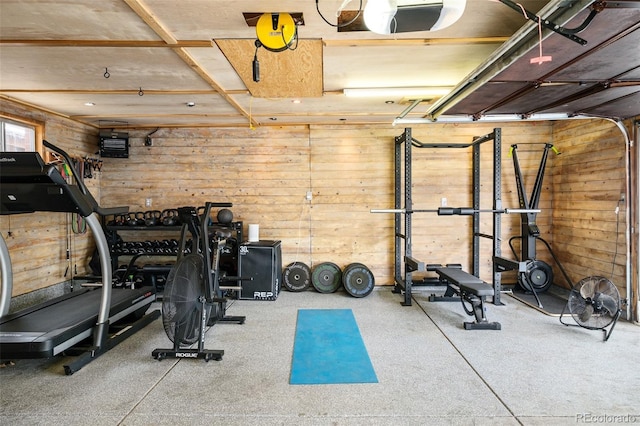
x=182 y=301
x=594 y=303
x=538 y=277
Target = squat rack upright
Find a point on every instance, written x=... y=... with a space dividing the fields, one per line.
x=402 y=191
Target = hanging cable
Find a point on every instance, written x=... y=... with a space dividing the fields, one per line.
x=250 y=117
x=256 y=64
x=78 y=224
x=340 y=25
x=284 y=41
x=540 y=59
x=615 y=250
x=9 y=233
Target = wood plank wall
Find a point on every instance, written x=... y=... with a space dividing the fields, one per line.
x=588 y=179
x=267 y=172
x=38 y=241
x=264 y=172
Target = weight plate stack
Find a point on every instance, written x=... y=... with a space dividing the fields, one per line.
x=326 y=277
x=358 y=280
x=297 y=277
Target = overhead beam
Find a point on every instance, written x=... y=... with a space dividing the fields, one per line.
x=105 y=43
x=414 y=41
x=118 y=91
x=150 y=19
x=209 y=43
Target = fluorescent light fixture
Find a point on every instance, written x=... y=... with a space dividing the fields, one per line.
x=398 y=92
x=397 y=16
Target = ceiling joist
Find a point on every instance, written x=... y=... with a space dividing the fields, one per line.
x=105 y=43
x=150 y=19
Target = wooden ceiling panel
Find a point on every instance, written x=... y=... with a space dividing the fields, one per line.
x=400 y=64
x=71 y=20
x=288 y=74
x=79 y=68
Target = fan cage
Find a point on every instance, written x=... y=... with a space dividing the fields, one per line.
x=182 y=300
x=594 y=302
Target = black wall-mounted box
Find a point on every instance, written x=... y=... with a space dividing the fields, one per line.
x=114 y=144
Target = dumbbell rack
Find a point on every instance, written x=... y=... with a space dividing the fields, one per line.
x=164 y=247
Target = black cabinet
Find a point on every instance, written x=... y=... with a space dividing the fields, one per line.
x=262 y=262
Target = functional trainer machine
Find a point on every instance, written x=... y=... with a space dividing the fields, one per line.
x=61 y=325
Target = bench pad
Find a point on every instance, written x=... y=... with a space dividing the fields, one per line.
x=458 y=276
x=479 y=289
x=466 y=281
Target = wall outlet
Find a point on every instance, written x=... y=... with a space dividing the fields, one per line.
x=309 y=196
x=443 y=202
x=147 y=202
x=622 y=197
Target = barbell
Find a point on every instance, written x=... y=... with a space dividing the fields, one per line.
x=451 y=211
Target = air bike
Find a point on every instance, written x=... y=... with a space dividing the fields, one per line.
x=87 y=322
x=193 y=298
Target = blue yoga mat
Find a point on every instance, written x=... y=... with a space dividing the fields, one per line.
x=328 y=349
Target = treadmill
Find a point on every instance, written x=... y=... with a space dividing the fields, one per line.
x=62 y=325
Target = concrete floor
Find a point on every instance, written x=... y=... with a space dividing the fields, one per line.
x=535 y=371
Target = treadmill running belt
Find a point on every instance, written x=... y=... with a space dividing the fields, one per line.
x=49 y=330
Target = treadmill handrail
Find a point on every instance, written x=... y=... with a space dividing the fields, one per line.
x=76 y=196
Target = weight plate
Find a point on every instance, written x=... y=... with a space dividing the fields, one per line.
x=326 y=277
x=297 y=277
x=349 y=266
x=539 y=275
x=358 y=280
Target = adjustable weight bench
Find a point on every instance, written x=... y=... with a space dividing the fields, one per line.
x=472 y=290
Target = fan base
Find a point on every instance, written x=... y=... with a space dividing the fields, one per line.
x=206 y=354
